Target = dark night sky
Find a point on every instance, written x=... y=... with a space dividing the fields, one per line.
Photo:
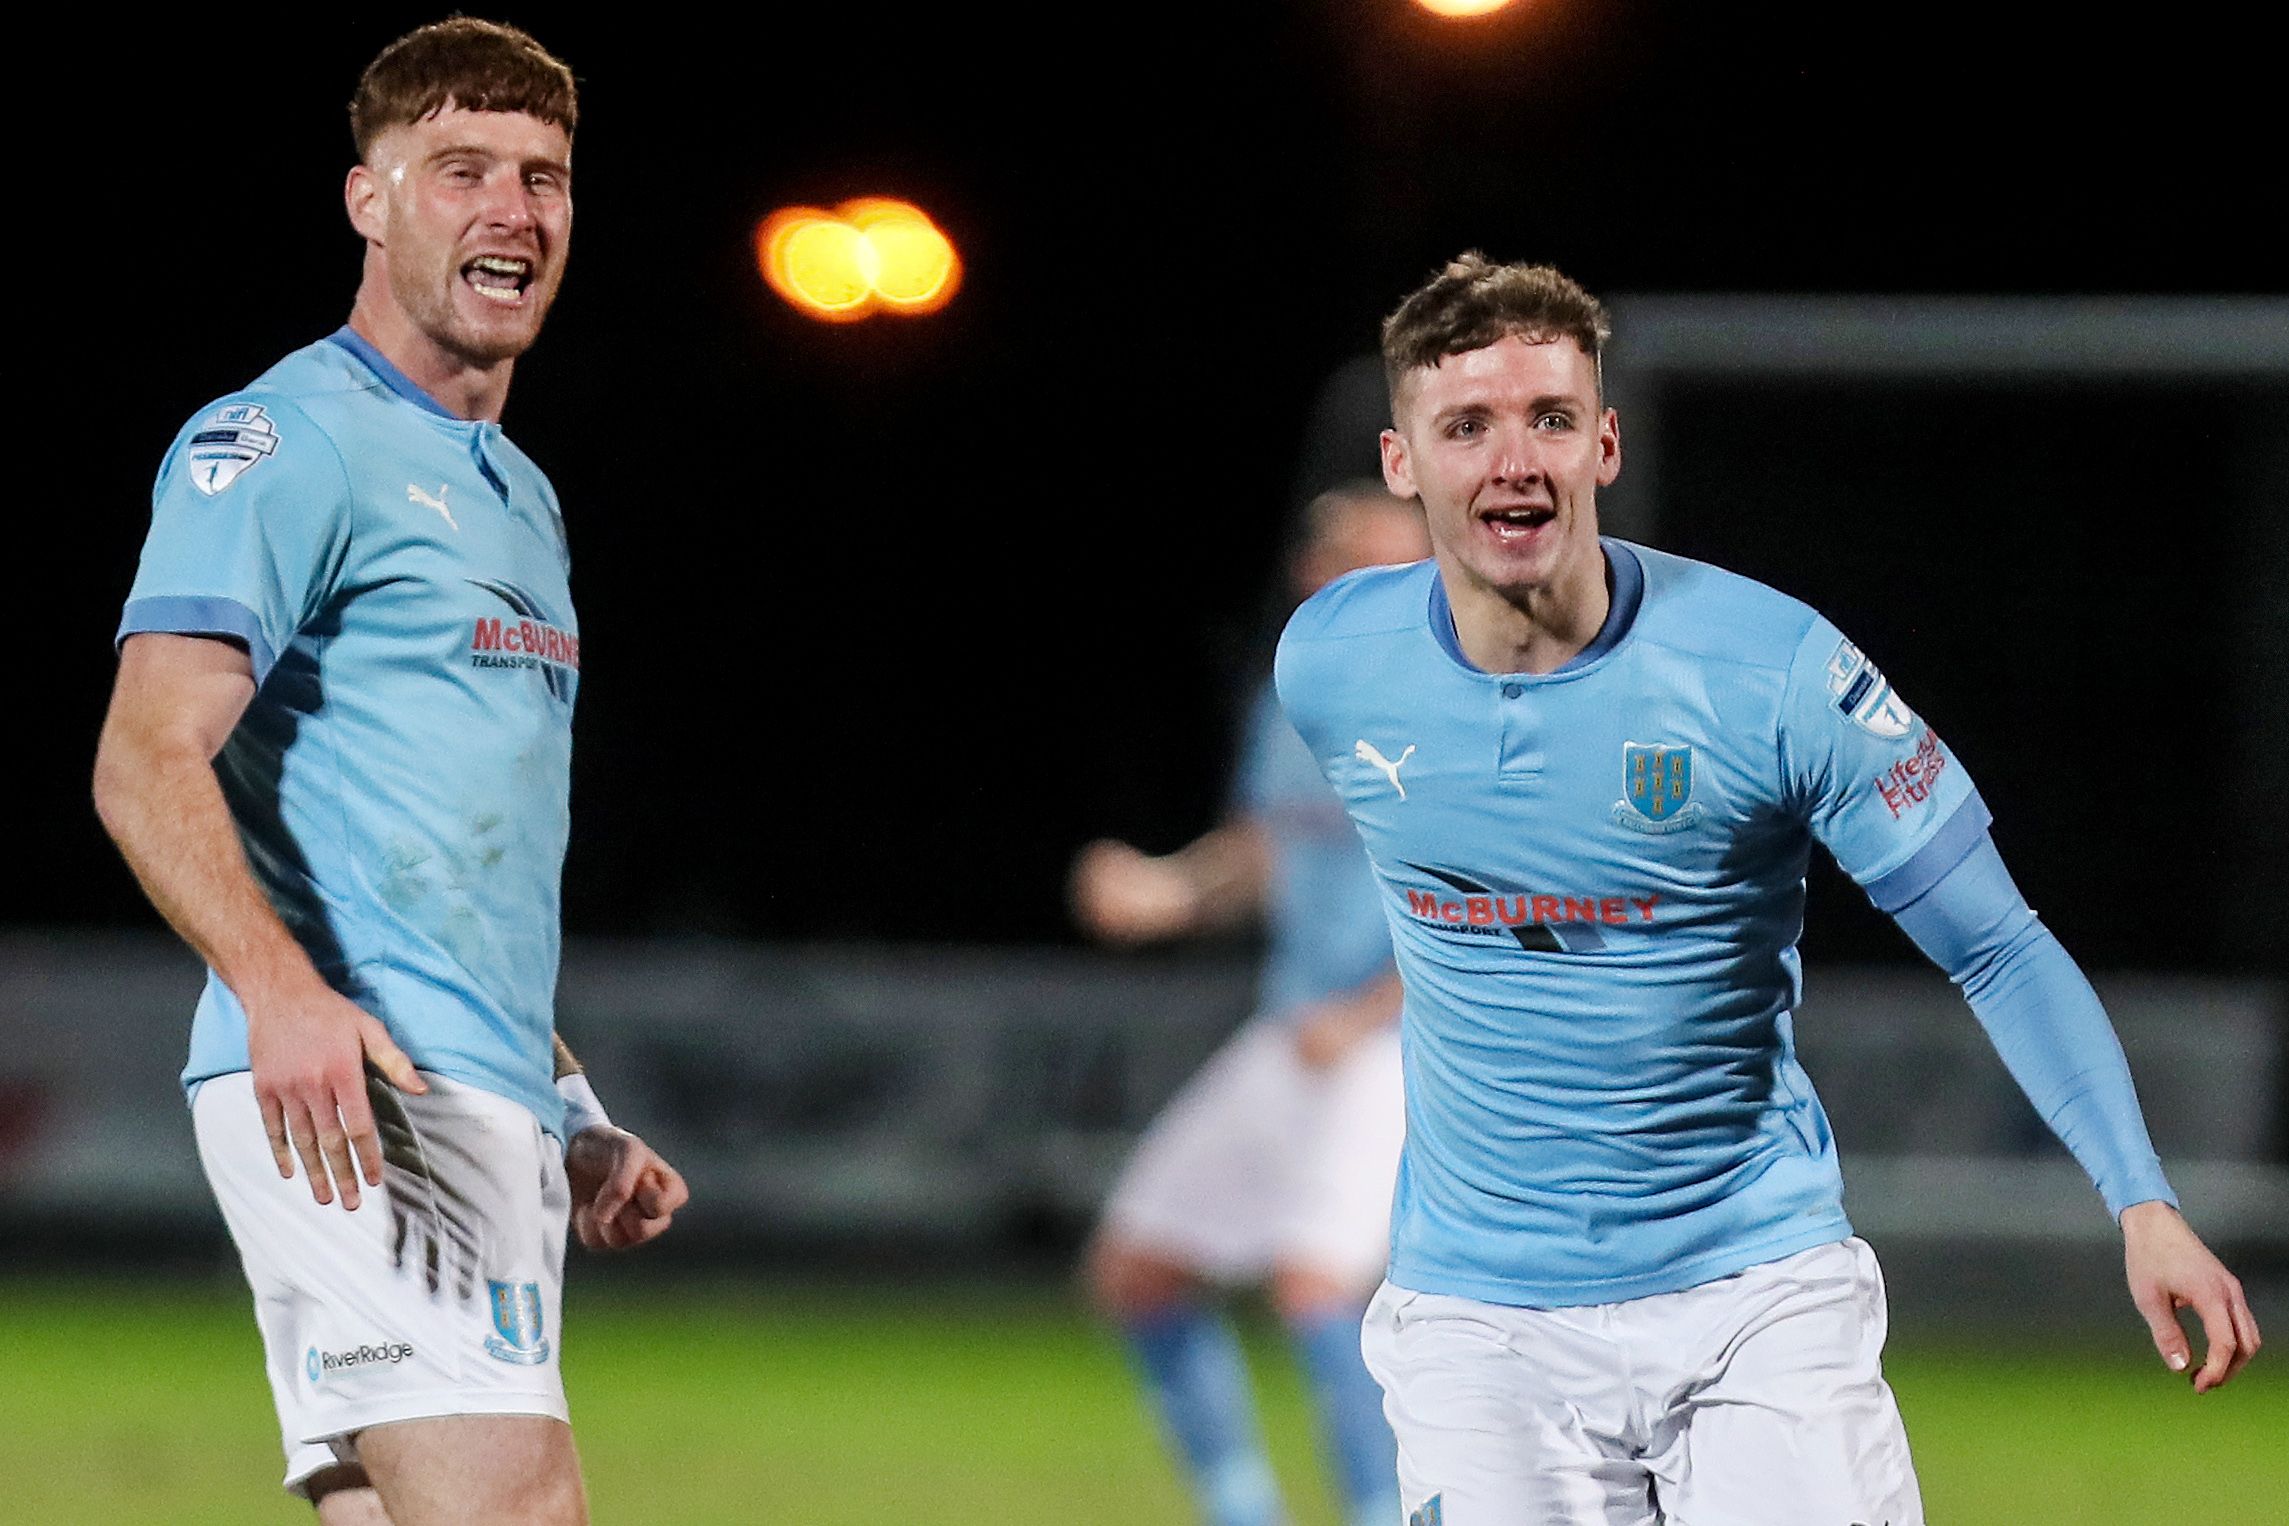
x=880 y=622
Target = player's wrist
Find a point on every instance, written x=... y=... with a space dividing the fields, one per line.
x=582 y=1110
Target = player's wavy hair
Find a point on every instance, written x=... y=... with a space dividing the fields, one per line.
x=1474 y=302
x=476 y=65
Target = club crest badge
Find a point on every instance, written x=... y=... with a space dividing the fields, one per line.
x=1656 y=788
x=1432 y=1513
x=1862 y=693
x=517 y=1335
x=231 y=442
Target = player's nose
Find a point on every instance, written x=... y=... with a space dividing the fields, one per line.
x=509 y=205
x=1517 y=461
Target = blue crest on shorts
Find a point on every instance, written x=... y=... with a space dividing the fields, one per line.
x=310 y=1365
x=1656 y=787
x=1430 y=1514
x=516 y=1322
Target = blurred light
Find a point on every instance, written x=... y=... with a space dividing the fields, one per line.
x=868 y=255
x=1462 y=7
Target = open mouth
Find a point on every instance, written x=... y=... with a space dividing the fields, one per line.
x=499 y=278
x=1515 y=524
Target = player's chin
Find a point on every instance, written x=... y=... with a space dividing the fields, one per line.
x=489 y=333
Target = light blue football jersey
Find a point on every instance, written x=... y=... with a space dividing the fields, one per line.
x=1327 y=933
x=1595 y=884
x=401 y=779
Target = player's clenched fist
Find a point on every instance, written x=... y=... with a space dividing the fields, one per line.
x=1129 y=897
x=623 y=1193
x=309 y=1052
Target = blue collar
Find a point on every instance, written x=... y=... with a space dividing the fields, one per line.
x=1628 y=576
x=391 y=377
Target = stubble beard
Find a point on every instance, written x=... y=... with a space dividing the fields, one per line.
x=435 y=314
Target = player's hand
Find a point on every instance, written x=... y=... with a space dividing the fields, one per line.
x=2170 y=1269
x=1125 y=896
x=623 y=1193
x=309 y=1052
x=1328 y=1032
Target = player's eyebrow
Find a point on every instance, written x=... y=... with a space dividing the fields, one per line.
x=554 y=166
x=1547 y=402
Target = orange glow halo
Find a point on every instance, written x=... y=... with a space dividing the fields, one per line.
x=908 y=261
x=812 y=258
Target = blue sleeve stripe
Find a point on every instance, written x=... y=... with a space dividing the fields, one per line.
x=199 y=615
x=1929 y=864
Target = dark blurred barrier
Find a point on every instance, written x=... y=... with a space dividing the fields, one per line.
x=955 y=1101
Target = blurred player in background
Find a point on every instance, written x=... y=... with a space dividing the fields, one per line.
x=338 y=758
x=1274 y=1164
x=1622 y=1286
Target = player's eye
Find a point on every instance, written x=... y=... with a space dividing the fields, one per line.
x=1555 y=421
x=1466 y=429
x=544 y=182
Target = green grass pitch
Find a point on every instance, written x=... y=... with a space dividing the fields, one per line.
x=133 y=1402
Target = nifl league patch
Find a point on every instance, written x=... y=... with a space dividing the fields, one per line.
x=232 y=441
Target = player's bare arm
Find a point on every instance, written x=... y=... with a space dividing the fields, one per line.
x=2171 y=1269
x=623 y=1192
x=1331 y=1029
x=174 y=703
x=1218 y=880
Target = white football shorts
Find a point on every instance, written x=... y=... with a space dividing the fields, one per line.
x=440 y=1295
x=1754 y=1400
x=1261 y=1160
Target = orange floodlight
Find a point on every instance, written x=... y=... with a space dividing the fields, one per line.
x=1462 y=7
x=867 y=255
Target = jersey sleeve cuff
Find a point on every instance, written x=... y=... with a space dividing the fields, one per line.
x=199 y=615
x=2146 y=1185
x=1900 y=887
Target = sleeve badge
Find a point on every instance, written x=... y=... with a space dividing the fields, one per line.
x=234 y=440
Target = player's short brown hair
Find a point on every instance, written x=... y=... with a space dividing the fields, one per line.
x=476 y=65
x=1474 y=302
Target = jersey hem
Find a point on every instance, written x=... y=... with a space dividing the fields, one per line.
x=195 y=1075
x=1520 y=1294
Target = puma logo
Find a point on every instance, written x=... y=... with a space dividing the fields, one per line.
x=416 y=495
x=1366 y=752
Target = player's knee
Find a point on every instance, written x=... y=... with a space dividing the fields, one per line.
x=1126 y=1283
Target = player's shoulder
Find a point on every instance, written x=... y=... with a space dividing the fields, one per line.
x=1373 y=601
x=304 y=388
x=286 y=424
x=1707 y=611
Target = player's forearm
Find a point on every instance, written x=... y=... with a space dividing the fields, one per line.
x=2045 y=1021
x=1229 y=871
x=160 y=801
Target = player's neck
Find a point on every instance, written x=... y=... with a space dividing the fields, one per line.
x=1530 y=630
x=459 y=385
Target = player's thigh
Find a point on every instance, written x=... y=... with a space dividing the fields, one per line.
x=1205 y=1185
x=1338 y=1221
x=476 y=1470
x=439 y=1295
x=1796 y=1426
x=1499 y=1424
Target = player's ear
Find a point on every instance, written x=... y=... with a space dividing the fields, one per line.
x=1609 y=448
x=1398 y=471
x=362 y=195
